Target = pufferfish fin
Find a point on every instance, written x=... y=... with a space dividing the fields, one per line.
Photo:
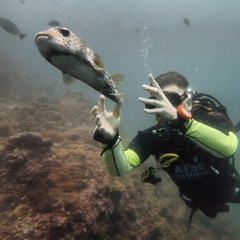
x=117 y=78
x=98 y=63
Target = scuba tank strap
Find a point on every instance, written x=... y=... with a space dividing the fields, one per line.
x=194 y=210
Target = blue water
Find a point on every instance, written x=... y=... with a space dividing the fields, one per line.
x=137 y=38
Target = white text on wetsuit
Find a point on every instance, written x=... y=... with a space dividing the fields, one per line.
x=189 y=171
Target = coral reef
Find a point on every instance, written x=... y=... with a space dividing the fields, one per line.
x=28 y=140
x=54 y=185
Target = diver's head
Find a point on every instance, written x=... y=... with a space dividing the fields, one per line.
x=172 y=78
x=174 y=86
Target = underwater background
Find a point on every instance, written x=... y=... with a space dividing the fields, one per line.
x=53 y=183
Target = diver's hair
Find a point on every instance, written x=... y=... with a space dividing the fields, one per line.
x=172 y=78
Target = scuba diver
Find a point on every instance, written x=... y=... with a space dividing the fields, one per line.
x=193 y=140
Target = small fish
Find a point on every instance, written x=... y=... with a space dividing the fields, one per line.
x=71 y=55
x=54 y=23
x=10 y=27
x=186 y=21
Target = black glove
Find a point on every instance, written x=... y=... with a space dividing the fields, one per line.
x=97 y=136
x=148 y=175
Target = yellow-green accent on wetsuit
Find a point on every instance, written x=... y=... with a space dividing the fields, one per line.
x=118 y=161
x=211 y=139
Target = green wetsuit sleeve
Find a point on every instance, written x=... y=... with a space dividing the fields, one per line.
x=118 y=161
x=211 y=139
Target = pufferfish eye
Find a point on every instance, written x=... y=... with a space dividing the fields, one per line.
x=65 y=32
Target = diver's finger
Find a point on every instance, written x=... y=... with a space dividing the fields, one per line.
x=156 y=85
x=98 y=121
x=101 y=104
x=150 y=101
x=95 y=111
x=152 y=90
x=157 y=92
x=153 y=81
x=154 y=111
x=116 y=110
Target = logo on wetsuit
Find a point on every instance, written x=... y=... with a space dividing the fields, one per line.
x=196 y=169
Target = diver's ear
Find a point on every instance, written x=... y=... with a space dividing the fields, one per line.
x=188 y=103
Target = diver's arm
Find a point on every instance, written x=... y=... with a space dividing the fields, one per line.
x=212 y=140
x=118 y=161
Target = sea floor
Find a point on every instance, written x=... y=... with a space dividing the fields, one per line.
x=54 y=185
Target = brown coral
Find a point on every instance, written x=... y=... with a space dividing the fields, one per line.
x=28 y=140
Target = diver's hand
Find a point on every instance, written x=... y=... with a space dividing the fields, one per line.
x=107 y=122
x=164 y=108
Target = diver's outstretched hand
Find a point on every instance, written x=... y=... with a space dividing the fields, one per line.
x=161 y=105
x=107 y=122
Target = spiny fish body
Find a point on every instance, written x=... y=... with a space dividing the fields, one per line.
x=70 y=54
x=11 y=28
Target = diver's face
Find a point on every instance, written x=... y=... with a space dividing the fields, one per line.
x=176 y=96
